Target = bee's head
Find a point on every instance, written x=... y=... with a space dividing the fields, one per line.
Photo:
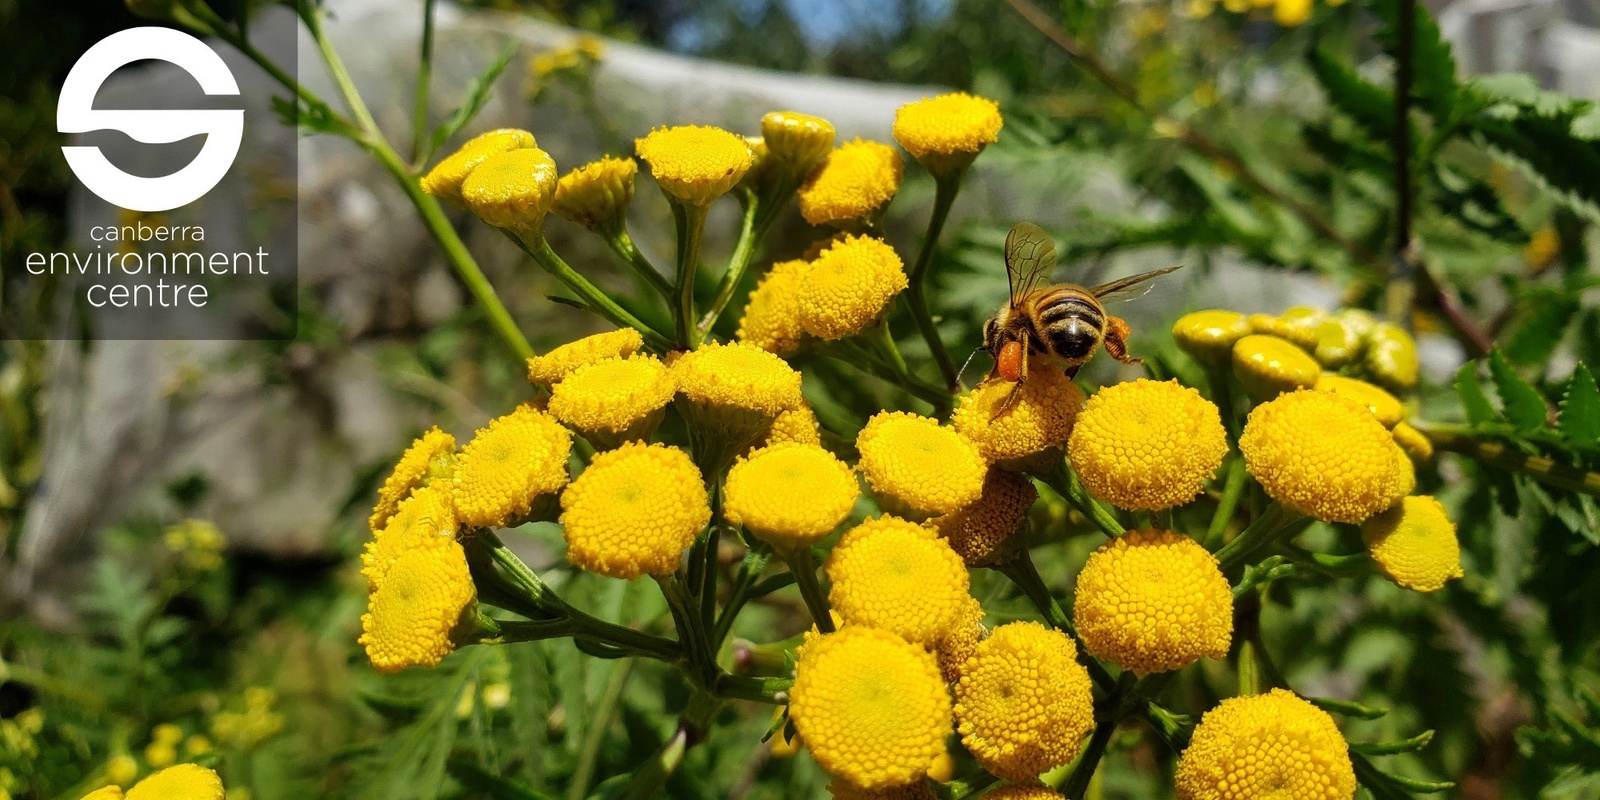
x=991 y=336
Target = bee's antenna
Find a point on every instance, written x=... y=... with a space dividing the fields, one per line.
x=964 y=364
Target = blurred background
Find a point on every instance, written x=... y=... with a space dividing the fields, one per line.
x=179 y=520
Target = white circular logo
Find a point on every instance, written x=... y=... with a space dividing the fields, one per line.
x=224 y=128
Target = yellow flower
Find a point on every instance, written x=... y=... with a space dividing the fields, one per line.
x=197 y=745
x=946 y=132
x=738 y=376
x=771 y=318
x=1416 y=444
x=920 y=790
x=1299 y=324
x=870 y=706
x=1153 y=601
x=1023 y=703
x=850 y=286
x=1024 y=791
x=790 y=495
x=1029 y=433
x=916 y=465
x=596 y=195
x=1147 y=445
x=798 y=425
x=1208 y=336
x=1269 y=366
x=1266 y=745
x=1325 y=456
x=1391 y=356
x=552 y=367
x=513 y=189
x=853 y=185
x=1386 y=407
x=510 y=462
x=695 y=164
x=634 y=511
x=423 y=520
x=961 y=640
x=182 y=782
x=1290 y=13
x=445 y=179
x=897 y=576
x=943 y=768
x=615 y=399
x=1414 y=544
x=1542 y=248
x=1338 y=341
x=426 y=596
x=159 y=754
x=112 y=792
x=798 y=141
x=427 y=456
x=982 y=532
x=121 y=770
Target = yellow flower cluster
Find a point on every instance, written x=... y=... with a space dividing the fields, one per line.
x=1275 y=354
x=798 y=425
x=870 y=706
x=1325 y=456
x=257 y=723
x=197 y=543
x=980 y=532
x=614 y=399
x=945 y=133
x=1023 y=704
x=420 y=589
x=695 y=164
x=509 y=463
x=1024 y=791
x=1036 y=425
x=790 y=494
x=738 y=376
x=634 y=511
x=853 y=185
x=920 y=790
x=182 y=782
x=1414 y=544
x=918 y=467
x=596 y=195
x=1153 y=601
x=1266 y=745
x=849 y=286
x=897 y=576
x=430 y=455
x=552 y=367
x=446 y=177
x=1147 y=445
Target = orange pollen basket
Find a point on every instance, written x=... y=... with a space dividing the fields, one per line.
x=1010 y=361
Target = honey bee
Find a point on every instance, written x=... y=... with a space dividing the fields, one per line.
x=1063 y=323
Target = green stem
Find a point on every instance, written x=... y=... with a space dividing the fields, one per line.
x=1232 y=489
x=1078 y=782
x=916 y=294
x=1022 y=572
x=1066 y=483
x=1261 y=533
x=419 y=113
x=1498 y=454
x=622 y=244
x=311 y=14
x=1222 y=395
x=883 y=340
x=1249 y=676
x=539 y=250
x=869 y=362
x=690 y=222
x=738 y=263
x=804 y=568
x=755 y=560
x=760 y=690
x=686 y=616
x=595 y=737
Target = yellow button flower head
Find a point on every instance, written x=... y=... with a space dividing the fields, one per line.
x=918 y=467
x=1030 y=433
x=431 y=454
x=853 y=185
x=850 y=286
x=1147 y=445
x=1386 y=407
x=1414 y=442
x=771 y=318
x=695 y=164
x=1269 y=366
x=1291 y=13
x=920 y=790
x=946 y=132
x=731 y=393
x=182 y=782
x=596 y=195
x=961 y=641
x=121 y=769
x=870 y=706
x=1414 y=544
x=1023 y=703
x=1025 y=791
x=982 y=532
x=1391 y=356
x=1266 y=745
x=897 y=576
x=634 y=511
x=424 y=520
x=798 y=425
x=1325 y=456
x=790 y=495
x=1153 y=601
x=426 y=597
x=614 y=400
x=507 y=465
x=513 y=189
x=445 y=179
x=550 y=368
x=1208 y=336
x=797 y=141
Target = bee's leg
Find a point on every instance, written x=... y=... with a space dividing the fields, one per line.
x=1116 y=341
x=1016 y=388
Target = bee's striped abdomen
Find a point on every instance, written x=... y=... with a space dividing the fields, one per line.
x=1071 y=321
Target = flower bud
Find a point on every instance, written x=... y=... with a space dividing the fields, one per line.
x=1416 y=444
x=1209 y=336
x=1299 y=325
x=596 y=195
x=1392 y=356
x=1269 y=366
x=445 y=179
x=512 y=190
x=1338 y=343
x=1386 y=407
x=798 y=142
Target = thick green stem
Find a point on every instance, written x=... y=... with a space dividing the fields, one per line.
x=883 y=340
x=755 y=560
x=1261 y=533
x=1078 y=782
x=691 y=223
x=1066 y=483
x=738 y=263
x=539 y=250
x=622 y=244
x=1497 y=454
x=311 y=14
x=760 y=690
x=916 y=294
x=686 y=616
x=1232 y=489
x=804 y=568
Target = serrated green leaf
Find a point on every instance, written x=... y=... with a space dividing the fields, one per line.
x=1540 y=142
x=478 y=779
x=1474 y=204
x=477 y=96
x=1522 y=404
x=1433 y=67
x=1370 y=105
x=1538 y=332
x=1361 y=156
x=1473 y=400
x=1579 y=419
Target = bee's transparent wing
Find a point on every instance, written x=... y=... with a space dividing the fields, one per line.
x=1121 y=288
x=1030 y=255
